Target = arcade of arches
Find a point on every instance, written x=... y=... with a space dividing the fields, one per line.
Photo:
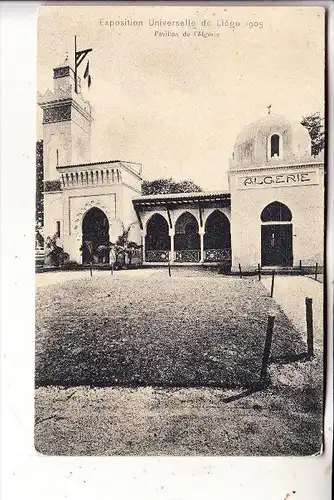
x=186 y=242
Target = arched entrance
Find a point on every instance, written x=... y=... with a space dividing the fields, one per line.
x=157 y=240
x=276 y=235
x=95 y=237
x=217 y=238
x=186 y=239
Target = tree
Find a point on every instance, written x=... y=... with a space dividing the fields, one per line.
x=315 y=126
x=39 y=185
x=166 y=186
x=124 y=248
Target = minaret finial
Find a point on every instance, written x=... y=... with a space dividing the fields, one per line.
x=269 y=108
x=66 y=57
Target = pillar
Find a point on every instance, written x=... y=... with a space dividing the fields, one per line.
x=143 y=234
x=201 y=236
x=171 y=235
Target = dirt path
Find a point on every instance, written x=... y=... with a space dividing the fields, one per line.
x=150 y=421
x=290 y=293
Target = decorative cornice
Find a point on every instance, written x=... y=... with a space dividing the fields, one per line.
x=275 y=167
x=56 y=95
x=64 y=96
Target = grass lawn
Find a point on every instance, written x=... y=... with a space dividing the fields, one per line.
x=184 y=331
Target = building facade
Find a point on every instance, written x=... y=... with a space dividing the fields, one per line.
x=86 y=204
x=272 y=214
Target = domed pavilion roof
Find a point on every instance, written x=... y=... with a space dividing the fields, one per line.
x=271 y=140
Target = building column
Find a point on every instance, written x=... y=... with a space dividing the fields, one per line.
x=171 y=235
x=201 y=233
x=143 y=234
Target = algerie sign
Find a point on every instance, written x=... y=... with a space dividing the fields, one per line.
x=278 y=180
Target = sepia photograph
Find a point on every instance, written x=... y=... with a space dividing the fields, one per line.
x=180 y=230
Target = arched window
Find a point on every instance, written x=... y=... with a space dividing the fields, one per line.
x=217 y=231
x=186 y=232
x=157 y=236
x=187 y=239
x=276 y=212
x=274 y=145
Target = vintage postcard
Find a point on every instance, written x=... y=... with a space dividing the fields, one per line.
x=180 y=165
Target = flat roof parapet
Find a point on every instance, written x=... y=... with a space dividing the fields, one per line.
x=133 y=168
x=176 y=198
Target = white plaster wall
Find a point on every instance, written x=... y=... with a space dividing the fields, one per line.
x=131 y=180
x=56 y=136
x=80 y=130
x=306 y=204
x=225 y=210
x=174 y=213
x=76 y=203
x=116 y=203
x=71 y=138
x=53 y=212
x=128 y=214
x=145 y=217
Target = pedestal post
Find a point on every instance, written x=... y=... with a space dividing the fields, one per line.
x=201 y=236
x=171 y=253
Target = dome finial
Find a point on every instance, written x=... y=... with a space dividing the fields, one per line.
x=269 y=108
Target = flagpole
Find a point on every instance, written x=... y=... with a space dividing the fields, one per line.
x=75 y=65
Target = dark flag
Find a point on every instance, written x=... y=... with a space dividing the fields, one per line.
x=86 y=73
x=79 y=56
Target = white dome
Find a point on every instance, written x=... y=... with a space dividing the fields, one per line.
x=264 y=124
x=271 y=140
x=301 y=141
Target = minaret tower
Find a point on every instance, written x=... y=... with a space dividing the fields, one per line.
x=66 y=123
x=66 y=136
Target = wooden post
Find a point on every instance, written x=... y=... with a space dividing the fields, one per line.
x=112 y=269
x=169 y=272
x=300 y=265
x=316 y=271
x=259 y=271
x=267 y=348
x=272 y=284
x=309 y=327
x=240 y=273
x=91 y=268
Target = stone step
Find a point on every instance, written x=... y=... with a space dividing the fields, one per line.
x=39 y=258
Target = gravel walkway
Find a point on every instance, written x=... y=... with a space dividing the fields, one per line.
x=55 y=277
x=151 y=421
x=290 y=293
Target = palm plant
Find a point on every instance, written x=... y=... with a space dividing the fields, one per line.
x=123 y=248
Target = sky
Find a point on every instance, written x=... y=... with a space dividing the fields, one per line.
x=176 y=104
